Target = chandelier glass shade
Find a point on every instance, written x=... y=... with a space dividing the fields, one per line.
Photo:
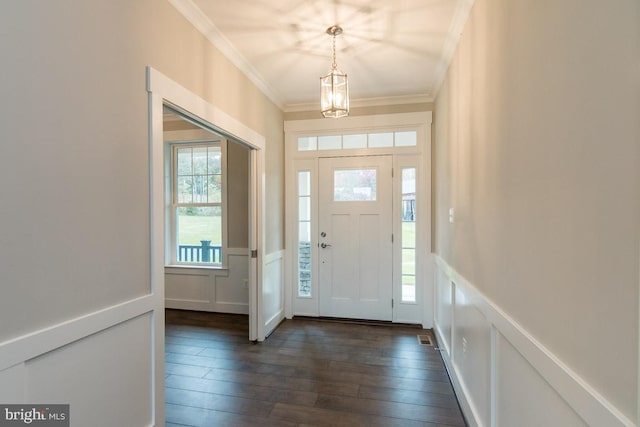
x=334 y=87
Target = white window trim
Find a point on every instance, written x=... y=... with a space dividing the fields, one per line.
x=171 y=232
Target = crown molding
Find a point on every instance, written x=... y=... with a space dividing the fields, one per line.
x=365 y=102
x=203 y=24
x=460 y=17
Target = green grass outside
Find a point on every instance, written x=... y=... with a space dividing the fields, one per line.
x=194 y=228
x=408 y=241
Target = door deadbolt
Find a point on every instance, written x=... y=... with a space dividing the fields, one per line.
x=323 y=234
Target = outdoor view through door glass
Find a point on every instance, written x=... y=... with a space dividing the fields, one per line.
x=408 y=234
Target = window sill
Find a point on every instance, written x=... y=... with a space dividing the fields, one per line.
x=197 y=267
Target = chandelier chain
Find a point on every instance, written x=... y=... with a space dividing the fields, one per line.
x=334 y=52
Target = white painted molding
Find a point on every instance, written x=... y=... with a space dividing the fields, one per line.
x=461 y=15
x=28 y=346
x=365 y=122
x=276 y=259
x=202 y=23
x=585 y=400
x=274 y=256
x=365 y=102
x=164 y=90
x=272 y=323
x=175 y=94
x=468 y=410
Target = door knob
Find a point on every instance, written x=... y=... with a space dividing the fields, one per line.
x=324 y=245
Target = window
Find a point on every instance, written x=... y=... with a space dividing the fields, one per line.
x=197 y=188
x=408 y=235
x=304 y=234
x=353 y=185
x=358 y=141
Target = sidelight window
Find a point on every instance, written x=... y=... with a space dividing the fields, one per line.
x=408 y=235
x=304 y=234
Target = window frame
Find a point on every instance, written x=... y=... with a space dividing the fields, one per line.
x=173 y=205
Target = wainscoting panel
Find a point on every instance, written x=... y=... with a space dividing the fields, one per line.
x=231 y=291
x=515 y=405
x=91 y=368
x=188 y=289
x=273 y=290
x=101 y=364
x=443 y=309
x=13 y=388
x=222 y=290
x=472 y=351
x=502 y=375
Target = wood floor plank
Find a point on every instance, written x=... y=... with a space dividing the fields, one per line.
x=288 y=383
x=321 y=417
x=218 y=402
x=198 y=417
x=408 y=396
x=185 y=370
x=375 y=369
x=182 y=349
x=252 y=391
x=307 y=373
x=406 y=411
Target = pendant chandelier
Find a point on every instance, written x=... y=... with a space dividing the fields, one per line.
x=334 y=87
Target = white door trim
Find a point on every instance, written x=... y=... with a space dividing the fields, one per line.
x=307 y=160
x=163 y=90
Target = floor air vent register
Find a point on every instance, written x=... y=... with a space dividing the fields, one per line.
x=425 y=340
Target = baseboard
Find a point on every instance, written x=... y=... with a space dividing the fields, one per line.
x=271 y=324
x=468 y=410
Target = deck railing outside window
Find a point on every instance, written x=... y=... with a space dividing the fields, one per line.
x=204 y=252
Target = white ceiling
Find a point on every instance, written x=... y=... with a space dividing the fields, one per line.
x=394 y=51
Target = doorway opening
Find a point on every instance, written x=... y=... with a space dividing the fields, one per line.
x=206 y=218
x=165 y=92
x=358 y=215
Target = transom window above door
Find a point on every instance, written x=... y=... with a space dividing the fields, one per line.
x=361 y=140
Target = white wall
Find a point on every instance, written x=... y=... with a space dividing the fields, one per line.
x=536 y=148
x=74 y=242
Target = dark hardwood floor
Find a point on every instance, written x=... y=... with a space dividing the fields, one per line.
x=307 y=373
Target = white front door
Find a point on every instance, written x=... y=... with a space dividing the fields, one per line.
x=355 y=237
